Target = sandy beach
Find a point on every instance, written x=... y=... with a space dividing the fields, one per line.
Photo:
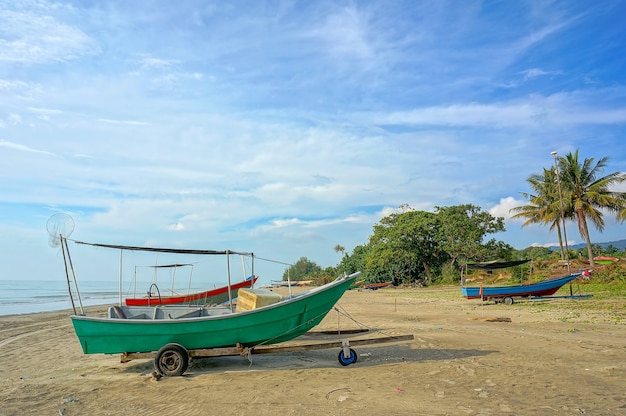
x=562 y=357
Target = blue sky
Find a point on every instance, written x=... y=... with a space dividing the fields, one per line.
x=287 y=127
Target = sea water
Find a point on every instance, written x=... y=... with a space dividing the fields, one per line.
x=29 y=296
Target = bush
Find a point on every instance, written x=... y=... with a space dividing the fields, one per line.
x=614 y=273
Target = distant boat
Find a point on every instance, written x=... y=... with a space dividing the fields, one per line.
x=209 y=297
x=545 y=288
x=605 y=259
x=376 y=286
x=356 y=285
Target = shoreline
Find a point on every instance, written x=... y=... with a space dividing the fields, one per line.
x=69 y=309
x=561 y=358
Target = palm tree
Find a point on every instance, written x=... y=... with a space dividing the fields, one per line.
x=586 y=194
x=544 y=207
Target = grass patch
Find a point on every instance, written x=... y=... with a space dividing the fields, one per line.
x=606 y=304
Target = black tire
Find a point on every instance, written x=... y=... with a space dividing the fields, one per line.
x=508 y=300
x=171 y=360
x=349 y=360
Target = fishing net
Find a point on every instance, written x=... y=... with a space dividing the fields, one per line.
x=58 y=225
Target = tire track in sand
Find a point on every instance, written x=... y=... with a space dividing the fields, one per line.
x=29 y=333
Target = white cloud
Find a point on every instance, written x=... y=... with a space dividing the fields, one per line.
x=45 y=111
x=561 y=109
x=498 y=114
x=31 y=36
x=347 y=34
x=177 y=227
x=128 y=122
x=535 y=73
x=7 y=85
x=14 y=119
x=554 y=244
x=503 y=208
x=151 y=63
x=23 y=148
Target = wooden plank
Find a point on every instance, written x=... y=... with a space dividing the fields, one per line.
x=338 y=332
x=218 y=352
x=330 y=344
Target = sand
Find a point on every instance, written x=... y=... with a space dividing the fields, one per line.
x=562 y=357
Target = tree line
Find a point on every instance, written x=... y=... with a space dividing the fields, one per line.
x=410 y=246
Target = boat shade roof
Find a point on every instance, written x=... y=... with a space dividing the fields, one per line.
x=165 y=250
x=496 y=264
x=164 y=266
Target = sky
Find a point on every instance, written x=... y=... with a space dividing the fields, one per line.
x=285 y=128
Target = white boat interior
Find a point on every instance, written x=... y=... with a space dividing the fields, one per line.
x=165 y=312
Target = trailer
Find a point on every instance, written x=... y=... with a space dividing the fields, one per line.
x=509 y=300
x=173 y=359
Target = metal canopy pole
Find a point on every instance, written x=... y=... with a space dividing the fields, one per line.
x=230 y=295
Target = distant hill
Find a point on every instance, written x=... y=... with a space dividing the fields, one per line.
x=620 y=244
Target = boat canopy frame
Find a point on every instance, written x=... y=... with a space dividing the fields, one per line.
x=496 y=264
x=69 y=267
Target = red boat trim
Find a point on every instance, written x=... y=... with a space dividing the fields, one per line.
x=169 y=300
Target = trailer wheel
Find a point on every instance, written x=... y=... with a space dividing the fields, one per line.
x=508 y=300
x=351 y=359
x=171 y=360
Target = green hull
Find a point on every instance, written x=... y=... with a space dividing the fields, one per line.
x=271 y=324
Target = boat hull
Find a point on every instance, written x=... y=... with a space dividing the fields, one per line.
x=545 y=288
x=210 y=297
x=267 y=325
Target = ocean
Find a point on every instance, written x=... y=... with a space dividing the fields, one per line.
x=29 y=296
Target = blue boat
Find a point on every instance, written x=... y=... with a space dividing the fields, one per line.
x=506 y=293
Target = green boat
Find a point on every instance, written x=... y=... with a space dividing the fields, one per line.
x=173 y=330
x=144 y=329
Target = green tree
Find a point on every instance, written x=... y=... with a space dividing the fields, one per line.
x=462 y=229
x=354 y=262
x=544 y=204
x=404 y=247
x=497 y=249
x=611 y=250
x=596 y=248
x=303 y=269
x=587 y=193
x=536 y=253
